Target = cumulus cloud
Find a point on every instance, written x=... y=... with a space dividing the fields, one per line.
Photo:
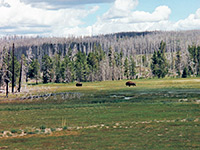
x=120 y=9
x=191 y=22
x=66 y=17
x=122 y=17
x=21 y=17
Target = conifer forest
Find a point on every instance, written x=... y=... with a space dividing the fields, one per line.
x=128 y=55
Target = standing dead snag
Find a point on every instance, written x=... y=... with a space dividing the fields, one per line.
x=7 y=73
x=13 y=68
x=7 y=81
x=20 y=76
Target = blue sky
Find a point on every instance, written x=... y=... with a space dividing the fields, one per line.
x=180 y=8
x=93 y=17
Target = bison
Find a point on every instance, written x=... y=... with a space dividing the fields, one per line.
x=79 y=84
x=129 y=83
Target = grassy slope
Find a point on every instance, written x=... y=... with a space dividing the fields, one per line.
x=123 y=112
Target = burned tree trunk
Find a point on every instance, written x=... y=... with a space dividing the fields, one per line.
x=20 y=76
x=7 y=76
x=13 y=68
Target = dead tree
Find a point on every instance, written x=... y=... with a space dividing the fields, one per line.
x=20 y=75
x=13 y=68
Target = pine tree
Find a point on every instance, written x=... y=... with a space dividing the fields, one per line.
x=58 y=74
x=163 y=61
x=194 y=56
x=20 y=75
x=33 y=71
x=92 y=64
x=81 y=66
x=5 y=69
x=126 y=68
x=47 y=67
x=67 y=70
x=154 y=64
x=159 y=64
x=132 y=68
x=144 y=61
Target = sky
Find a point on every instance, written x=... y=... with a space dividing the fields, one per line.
x=64 y=18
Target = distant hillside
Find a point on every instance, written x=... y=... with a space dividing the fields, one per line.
x=129 y=34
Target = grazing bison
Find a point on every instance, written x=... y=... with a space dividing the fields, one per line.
x=79 y=84
x=129 y=83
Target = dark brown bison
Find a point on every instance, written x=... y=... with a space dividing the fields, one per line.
x=130 y=83
x=79 y=84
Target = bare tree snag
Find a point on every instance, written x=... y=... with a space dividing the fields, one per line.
x=13 y=68
x=20 y=76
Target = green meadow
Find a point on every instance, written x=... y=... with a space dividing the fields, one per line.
x=156 y=114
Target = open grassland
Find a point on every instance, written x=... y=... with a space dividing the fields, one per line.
x=156 y=114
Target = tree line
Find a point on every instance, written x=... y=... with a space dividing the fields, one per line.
x=98 y=64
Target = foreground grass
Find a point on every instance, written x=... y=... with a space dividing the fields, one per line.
x=149 y=116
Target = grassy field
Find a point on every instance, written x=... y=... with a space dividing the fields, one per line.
x=156 y=114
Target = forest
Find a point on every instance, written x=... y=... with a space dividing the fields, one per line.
x=130 y=55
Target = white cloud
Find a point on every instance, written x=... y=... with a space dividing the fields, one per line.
x=4 y=4
x=120 y=9
x=21 y=17
x=125 y=5
x=191 y=22
x=122 y=17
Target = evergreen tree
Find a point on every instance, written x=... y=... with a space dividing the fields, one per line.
x=81 y=66
x=154 y=64
x=9 y=66
x=67 y=69
x=20 y=75
x=93 y=64
x=33 y=71
x=16 y=69
x=47 y=67
x=5 y=68
x=159 y=64
x=126 y=68
x=132 y=68
x=99 y=53
x=144 y=61
x=58 y=74
x=194 y=55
